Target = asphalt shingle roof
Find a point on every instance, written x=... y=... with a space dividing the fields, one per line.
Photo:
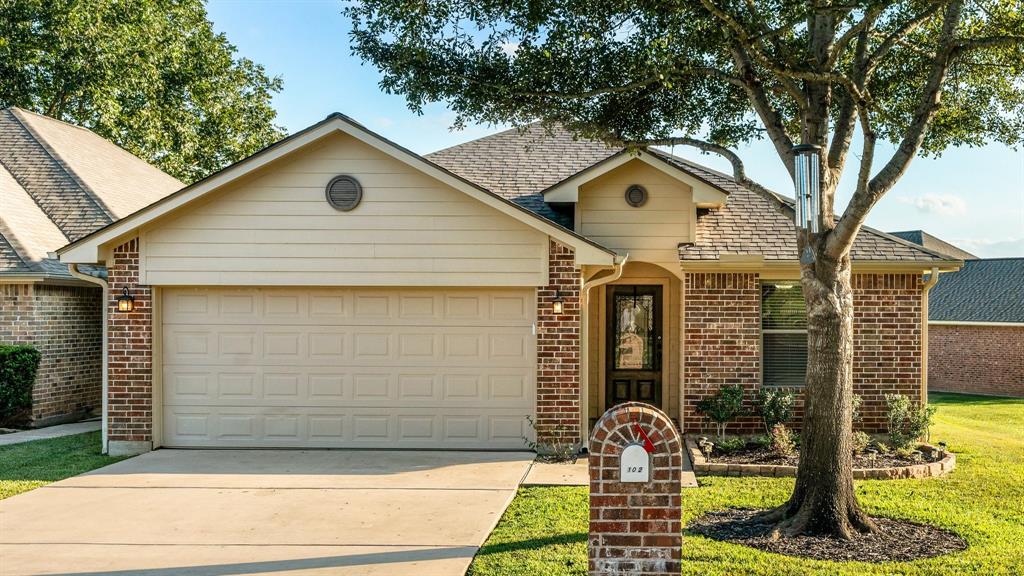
x=58 y=183
x=925 y=239
x=984 y=290
x=521 y=163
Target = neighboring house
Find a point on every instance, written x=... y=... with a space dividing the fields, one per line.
x=922 y=238
x=58 y=183
x=338 y=290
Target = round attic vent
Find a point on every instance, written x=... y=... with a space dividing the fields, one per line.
x=344 y=193
x=636 y=195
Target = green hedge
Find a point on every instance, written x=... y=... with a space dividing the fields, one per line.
x=18 y=365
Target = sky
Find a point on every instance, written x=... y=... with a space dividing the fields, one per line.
x=973 y=198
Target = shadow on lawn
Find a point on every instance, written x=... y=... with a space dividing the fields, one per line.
x=532 y=543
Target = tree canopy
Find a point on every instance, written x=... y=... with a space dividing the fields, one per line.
x=150 y=75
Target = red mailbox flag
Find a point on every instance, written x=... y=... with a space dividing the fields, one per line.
x=648 y=445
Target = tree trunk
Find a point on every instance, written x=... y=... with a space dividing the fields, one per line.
x=823 y=501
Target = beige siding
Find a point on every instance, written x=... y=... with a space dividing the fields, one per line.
x=275 y=228
x=651 y=232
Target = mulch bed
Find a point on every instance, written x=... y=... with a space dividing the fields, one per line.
x=757 y=455
x=895 y=540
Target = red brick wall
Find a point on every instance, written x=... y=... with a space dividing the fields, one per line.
x=64 y=324
x=723 y=339
x=887 y=350
x=558 y=349
x=976 y=359
x=130 y=352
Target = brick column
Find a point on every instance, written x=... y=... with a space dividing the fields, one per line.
x=635 y=527
x=558 y=349
x=129 y=357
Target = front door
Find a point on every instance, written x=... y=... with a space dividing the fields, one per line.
x=634 y=345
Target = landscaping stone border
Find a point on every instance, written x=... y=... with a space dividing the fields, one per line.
x=924 y=470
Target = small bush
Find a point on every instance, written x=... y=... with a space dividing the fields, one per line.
x=761 y=441
x=857 y=401
x=861 y=441
x=782 y=441
x=18 y=366
x=558 y=450
x=907 y=424
x=730 y=445
x=726 y=405
x=774 y=407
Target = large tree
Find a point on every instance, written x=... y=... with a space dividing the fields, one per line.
x=150 y=75
x=922 y=74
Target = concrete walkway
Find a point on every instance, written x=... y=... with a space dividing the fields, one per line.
x=229 y=512
x=578 y=474
x=49 y=432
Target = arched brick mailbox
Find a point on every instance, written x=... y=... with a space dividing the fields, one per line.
x=636 y=460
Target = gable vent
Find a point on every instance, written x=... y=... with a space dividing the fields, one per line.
x=344 y=193
x=636 y=195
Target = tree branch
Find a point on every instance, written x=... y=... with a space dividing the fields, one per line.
x=864 y=198
x=899 y=35
x=770 y=117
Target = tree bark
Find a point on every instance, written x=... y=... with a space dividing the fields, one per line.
x=823 y=500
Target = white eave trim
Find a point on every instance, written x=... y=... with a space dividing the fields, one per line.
x=87 y=250
x=959 y=323
x=704 y=195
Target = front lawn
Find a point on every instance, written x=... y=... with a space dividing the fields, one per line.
x=32 y=464
x=544 y=530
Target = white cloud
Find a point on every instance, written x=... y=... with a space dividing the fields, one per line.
x=993 y=248
x=384 y=122
x=943 y=204
x=510 y=48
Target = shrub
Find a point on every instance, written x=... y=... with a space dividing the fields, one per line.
x=857 y=401
x=782 y=441
x=18 y=366
x=906 y=423
x=729 y=445
x=774 y=407
x=861 y=441
x=557 y=450
x=726 y=405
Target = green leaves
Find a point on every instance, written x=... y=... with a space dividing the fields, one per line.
x=150 y=75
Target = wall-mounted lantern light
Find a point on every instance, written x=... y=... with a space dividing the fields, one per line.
x=125 y=302
x=557 y=305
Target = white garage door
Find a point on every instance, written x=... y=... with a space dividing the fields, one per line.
x=336 y=367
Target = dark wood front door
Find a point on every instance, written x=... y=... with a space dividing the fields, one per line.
x=633 y=358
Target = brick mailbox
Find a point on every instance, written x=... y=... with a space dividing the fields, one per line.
x=636 y=461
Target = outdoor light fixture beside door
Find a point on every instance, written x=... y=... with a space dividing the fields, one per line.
x=125 y=302
x=807 y=180
x=557 y=305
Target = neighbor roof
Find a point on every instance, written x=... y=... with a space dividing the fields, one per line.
x=523 y=162
x=58 y=183
x=984 y=290
x=925 y=239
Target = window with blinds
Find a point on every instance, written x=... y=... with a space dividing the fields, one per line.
x=783 y=334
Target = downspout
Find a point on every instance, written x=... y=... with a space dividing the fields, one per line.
x=929 y=282
x=618 y=269
x=102 y=283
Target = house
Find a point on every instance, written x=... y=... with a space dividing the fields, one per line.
x=338 y=290
x=922 y=238
x=58 y=183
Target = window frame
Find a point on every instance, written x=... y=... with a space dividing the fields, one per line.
x=762 y=331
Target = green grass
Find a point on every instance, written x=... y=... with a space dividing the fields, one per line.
x=30 y=465
x=544 y=530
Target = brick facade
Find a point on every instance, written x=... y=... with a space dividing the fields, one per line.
x=558 y=349
x=65 y=324
x=722 y=341
x=976 y=359
x=129 y=355
x=635 y=527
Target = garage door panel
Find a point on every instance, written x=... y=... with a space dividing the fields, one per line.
x=350 y=427
x=347 y=367
x=325 y=386
x=411 y=307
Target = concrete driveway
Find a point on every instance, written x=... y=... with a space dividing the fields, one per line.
x=227 y=512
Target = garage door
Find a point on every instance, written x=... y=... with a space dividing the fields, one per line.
x=369 y=368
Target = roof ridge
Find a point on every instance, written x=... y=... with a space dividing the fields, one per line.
x=89 y=192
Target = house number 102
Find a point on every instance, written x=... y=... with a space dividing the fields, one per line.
x=634 y=464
